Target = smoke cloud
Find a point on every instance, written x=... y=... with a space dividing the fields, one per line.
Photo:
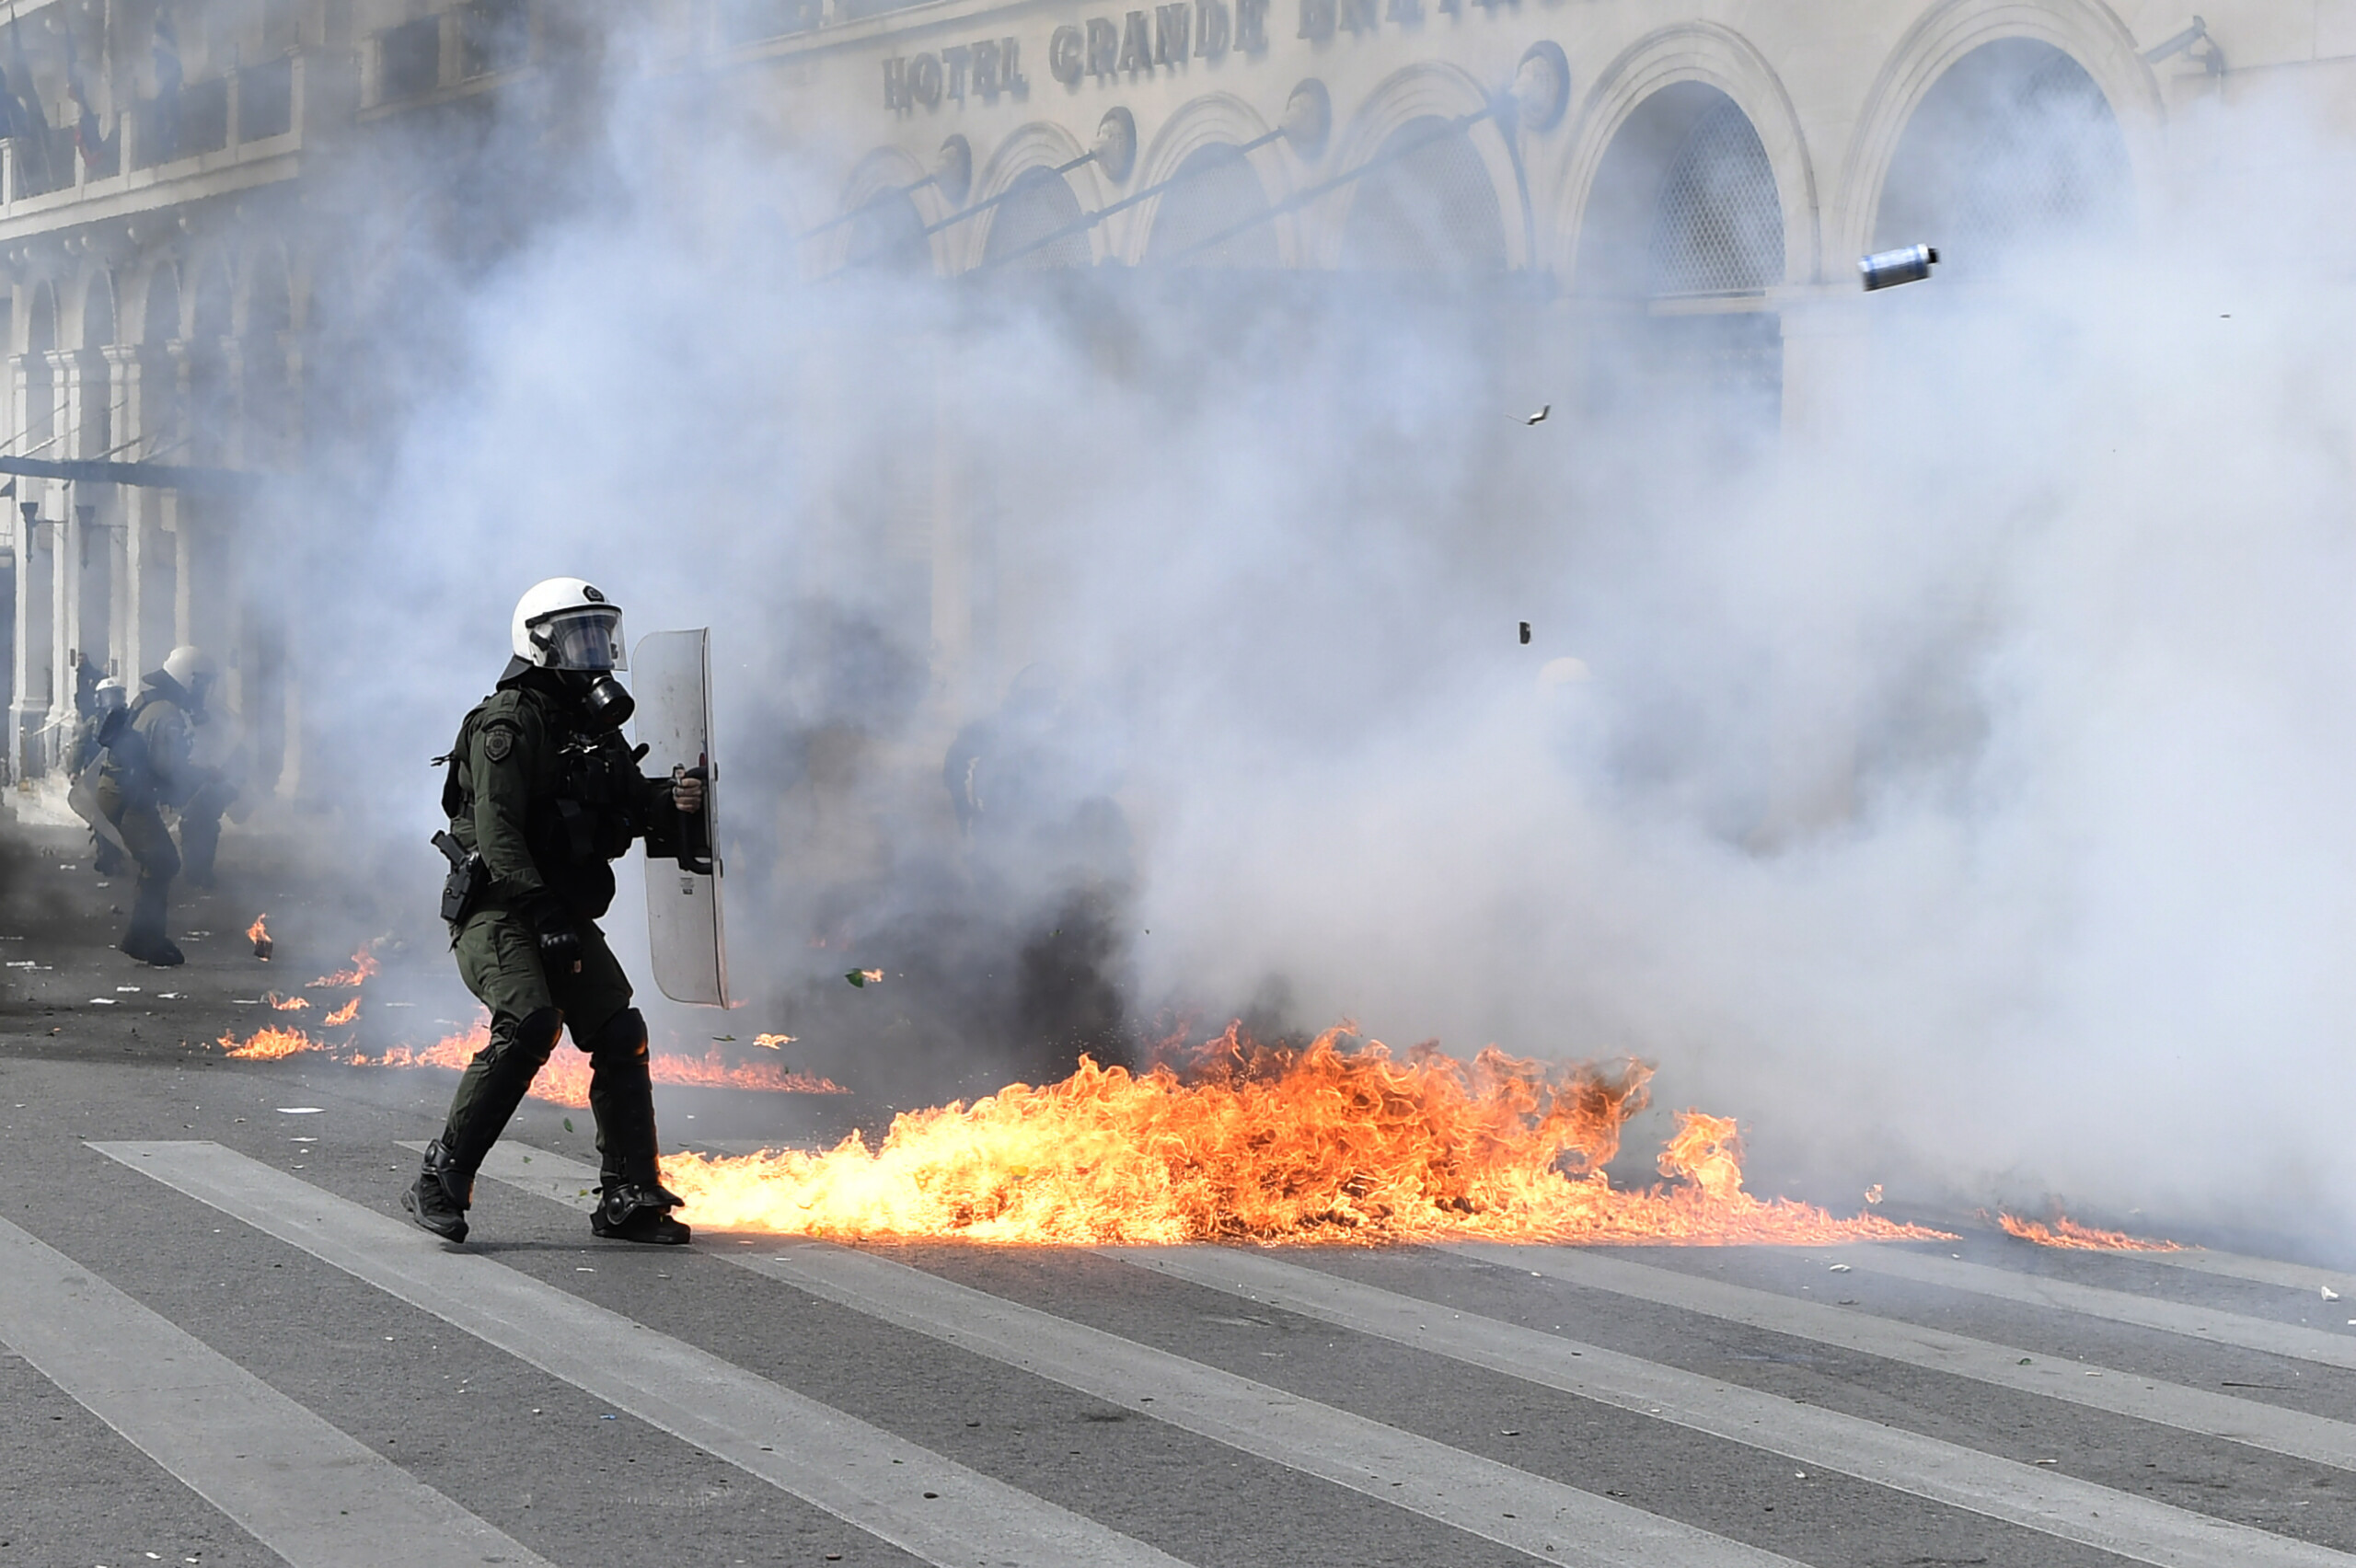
x=1954 y=789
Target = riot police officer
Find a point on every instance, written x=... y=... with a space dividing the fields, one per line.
x=145 y=768
x=100 y=725
x=543 y=794
x=108 y=699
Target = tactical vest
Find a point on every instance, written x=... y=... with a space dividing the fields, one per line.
x=580 y=814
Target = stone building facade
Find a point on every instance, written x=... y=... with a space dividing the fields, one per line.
x=1708 y=170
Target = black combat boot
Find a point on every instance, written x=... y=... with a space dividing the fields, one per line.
x=633 y=1204
x=628 y=1212
x=440 y=1196
x=488 y=1092
x=144 y=938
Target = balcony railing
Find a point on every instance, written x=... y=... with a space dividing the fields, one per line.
x=206 y=125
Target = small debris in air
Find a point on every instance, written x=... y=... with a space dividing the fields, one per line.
x=2330 y=1294
x=568 y=1124
x=1839 y=1268
x=1539 y=417
x=1873 y=1194
x=865 y=977
x=1525 y=634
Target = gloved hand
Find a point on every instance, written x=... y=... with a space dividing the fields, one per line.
x=560 y=942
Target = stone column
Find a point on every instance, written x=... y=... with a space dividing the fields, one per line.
x=36 y=559
x=1827 y=354
x=143 y=625
x=28 y=703
x=95 y=510
x=1813 y=740
x=952 y=555
x=66 y=563
x=174 y=437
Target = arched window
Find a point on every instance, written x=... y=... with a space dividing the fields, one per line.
x=1683 y=231
x=1213 y=191
x=1717 y=225
x=2014 y=151
x=1039 y=203
x=888 y=236
x=1427 y=204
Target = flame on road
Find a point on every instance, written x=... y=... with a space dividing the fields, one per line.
x=563 y=1081
x=343 y=1015
x=269 y=1044
x=363 y=964
x=2068 y=1233
x=285 y=1004
x=1262 y=1145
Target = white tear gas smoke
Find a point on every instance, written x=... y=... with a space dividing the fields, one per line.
x=1960 y=789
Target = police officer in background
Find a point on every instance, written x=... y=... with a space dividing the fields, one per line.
x=543 y=794
x=107 y=701
x=145 y=768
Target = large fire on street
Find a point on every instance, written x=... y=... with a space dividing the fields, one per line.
x=1258 y=1144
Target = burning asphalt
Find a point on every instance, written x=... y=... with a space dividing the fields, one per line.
x=1420 y=1371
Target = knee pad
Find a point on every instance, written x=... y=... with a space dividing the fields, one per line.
x=530 y=1041
x=621 y=1044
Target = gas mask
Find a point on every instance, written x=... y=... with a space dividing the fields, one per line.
x=604 y=701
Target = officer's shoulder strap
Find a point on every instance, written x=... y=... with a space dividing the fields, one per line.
x=504 y=709
x=455 y=783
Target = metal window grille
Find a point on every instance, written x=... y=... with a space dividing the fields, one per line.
x=2052 y=168
x=1718 y=226
x=889 y=235
x=1215 y=190
x=1041 y=203
x=1434 y=210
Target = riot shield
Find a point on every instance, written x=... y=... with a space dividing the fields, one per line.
x=84 y=801
x=671 y=679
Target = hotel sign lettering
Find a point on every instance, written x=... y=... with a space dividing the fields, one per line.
x=1138 y=44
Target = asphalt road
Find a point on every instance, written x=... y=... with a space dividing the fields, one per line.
x=222 y=1345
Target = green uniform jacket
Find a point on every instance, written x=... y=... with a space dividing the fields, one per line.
x=547 y=802
x=149 y=763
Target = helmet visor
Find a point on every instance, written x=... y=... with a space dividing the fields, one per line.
x=589 y=637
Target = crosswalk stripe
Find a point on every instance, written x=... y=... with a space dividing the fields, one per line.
x=2119 y=1306
x=2295 y=1433
x=855 y=1472
x=304 y=1488
x=2258 y=1271
x=1482 y=1496
x=1528 y=1512
x=1906 y=1461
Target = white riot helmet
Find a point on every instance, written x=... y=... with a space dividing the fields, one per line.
x=193 y=669
x=110 y=694
x=564 y=623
